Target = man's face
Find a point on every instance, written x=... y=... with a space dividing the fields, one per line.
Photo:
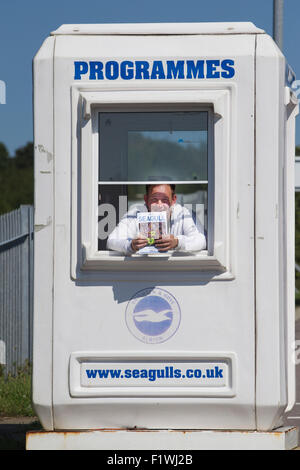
x=160 y=195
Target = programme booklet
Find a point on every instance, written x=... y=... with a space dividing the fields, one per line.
x=152 y=225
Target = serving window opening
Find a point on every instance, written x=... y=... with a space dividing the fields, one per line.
x=151 y=148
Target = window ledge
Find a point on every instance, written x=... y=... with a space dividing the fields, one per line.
x=159 y=266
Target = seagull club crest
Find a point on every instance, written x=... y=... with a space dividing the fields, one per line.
x=153 y=315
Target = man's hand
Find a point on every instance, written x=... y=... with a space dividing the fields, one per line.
x=166 y=243
x=138 y=243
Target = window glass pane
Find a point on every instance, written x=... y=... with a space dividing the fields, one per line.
x=153 y=146
x=115 y=200
x=191 y=196
x=112 y=206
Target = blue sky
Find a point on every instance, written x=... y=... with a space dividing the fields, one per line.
x=25 y=24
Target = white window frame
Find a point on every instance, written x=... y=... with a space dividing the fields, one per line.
x=86 y=261
x=210 y=167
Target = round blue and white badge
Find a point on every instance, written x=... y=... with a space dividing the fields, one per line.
x=153 y=315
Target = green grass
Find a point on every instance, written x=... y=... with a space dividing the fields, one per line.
x=15 y=393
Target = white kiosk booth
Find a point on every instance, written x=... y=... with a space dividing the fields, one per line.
x=178 y=340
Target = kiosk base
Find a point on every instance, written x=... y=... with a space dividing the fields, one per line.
x=284 y=438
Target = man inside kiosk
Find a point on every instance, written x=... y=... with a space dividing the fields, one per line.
x=182 y=233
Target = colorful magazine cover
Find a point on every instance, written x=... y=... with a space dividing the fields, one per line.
x=152 y=225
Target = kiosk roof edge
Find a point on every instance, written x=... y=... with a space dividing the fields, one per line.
x=158 y=28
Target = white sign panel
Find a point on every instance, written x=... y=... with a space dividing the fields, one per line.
x=157 y=374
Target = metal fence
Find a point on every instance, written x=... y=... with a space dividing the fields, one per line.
x=16 y=288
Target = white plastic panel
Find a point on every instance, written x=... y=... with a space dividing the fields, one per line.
x=159 y=28
x=217 y=315
x=272 y=344
x=44 y=228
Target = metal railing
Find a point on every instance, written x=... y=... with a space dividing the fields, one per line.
x=16 y=288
